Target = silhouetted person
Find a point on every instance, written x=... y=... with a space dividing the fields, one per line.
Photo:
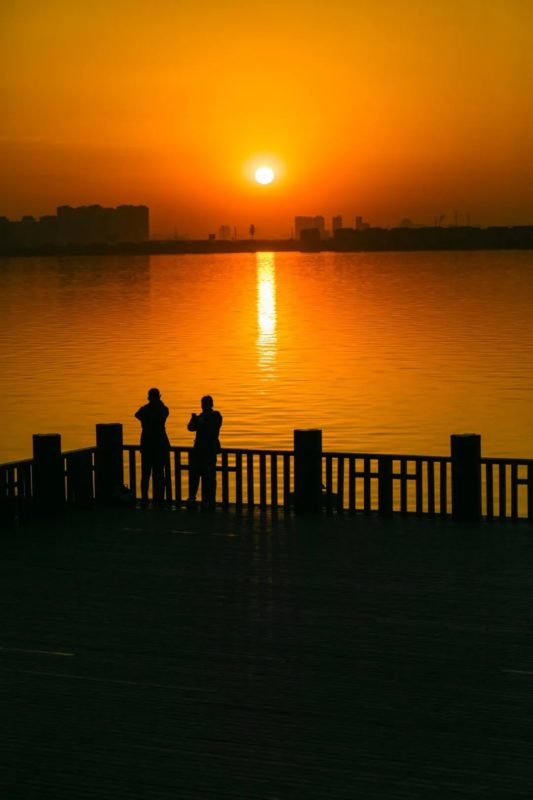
x=154 y=446
x=203 y=461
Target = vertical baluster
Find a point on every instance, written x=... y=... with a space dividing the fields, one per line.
x=489 y=490
x=403 y=486
x=443 y=488
x=367 y=486
x=329 y=481
x=11 y=482
x=274 y=481
x=132 y=472
x=502 y=489
x=238 y=479
x=514 y=491
x=419 y=487
x=286 y=480
x=262 y=481
x=340 y=483
x=530 y=491
x=178 y=491
x=351 y=484
x=225 y=479
x=7 y=509
x=385 y=485
x=431 y=487
x=167 y=477
x=250 y=479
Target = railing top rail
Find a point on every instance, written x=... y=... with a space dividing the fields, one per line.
x=185 y=448
x=345 y=454
x=496 y=460
x=394 y=456
x=22 y=463
x=325 y=453
x=504 y=460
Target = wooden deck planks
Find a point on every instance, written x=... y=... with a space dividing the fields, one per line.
x=236 y=656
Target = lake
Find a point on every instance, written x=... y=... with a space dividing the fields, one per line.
x=385 y=352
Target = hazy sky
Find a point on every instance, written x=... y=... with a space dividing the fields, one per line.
x=380 y=108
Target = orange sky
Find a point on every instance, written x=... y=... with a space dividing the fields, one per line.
x=383 y=109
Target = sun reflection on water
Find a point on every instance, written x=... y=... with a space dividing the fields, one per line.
x=266 y=313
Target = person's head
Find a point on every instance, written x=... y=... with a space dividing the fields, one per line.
x=153 y=395
x=207 y=402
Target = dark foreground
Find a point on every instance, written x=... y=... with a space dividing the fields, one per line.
x=174 y=655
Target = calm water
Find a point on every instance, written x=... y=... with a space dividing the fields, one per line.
x=387 y=352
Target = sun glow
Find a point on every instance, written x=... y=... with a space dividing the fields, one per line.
x=264 y=175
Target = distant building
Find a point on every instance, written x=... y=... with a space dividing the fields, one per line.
x=78 y=226
x=361 y=225
x=336 y=224
x=308 y=224
x=95 y=224
x=224 y=233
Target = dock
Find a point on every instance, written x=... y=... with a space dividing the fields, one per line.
x=246 y=655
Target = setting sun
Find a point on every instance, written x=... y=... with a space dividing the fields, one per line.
x=264 y=175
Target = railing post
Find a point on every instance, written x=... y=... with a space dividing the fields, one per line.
x=466 y=476
x=109 y=461
x=385 y=485
x=48 y=473
x=307 y=470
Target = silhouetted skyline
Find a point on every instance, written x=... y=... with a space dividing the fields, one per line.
x=387 y=109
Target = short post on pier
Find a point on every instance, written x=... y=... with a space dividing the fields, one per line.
x=48 y=475
x=307 y=471
x=109 y=461
x=466 y=476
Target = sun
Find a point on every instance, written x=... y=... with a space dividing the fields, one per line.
x=264 y=175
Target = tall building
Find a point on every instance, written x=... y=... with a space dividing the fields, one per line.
x=97 y=225
x=360 y=224
x=78 y=226
x=336 y=223
x=307 y=224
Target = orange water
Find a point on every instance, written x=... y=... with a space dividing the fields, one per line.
x=387 y=352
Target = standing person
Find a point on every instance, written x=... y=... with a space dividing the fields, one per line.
x=203 y=461
x=154 y=446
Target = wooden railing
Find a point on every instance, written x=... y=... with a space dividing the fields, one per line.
x=387 y=483
x=245 y=477
x=507 y=488
x=16 y=480
x=251 y=478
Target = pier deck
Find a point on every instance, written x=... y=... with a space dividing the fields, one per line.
x=154 y=655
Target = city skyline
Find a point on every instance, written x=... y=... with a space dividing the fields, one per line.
x=399 y=111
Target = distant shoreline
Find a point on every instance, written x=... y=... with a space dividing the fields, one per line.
x=345 y=240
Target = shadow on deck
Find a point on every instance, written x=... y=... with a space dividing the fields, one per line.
x=178 y=655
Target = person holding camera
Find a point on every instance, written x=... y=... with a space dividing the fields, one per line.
x=203 y=458
x=155 y=446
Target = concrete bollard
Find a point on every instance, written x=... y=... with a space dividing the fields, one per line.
x=307 y=471
x=466 y=476
x=48 y=475
x=109 y=461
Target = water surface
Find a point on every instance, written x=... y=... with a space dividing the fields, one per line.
x=388 y=352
